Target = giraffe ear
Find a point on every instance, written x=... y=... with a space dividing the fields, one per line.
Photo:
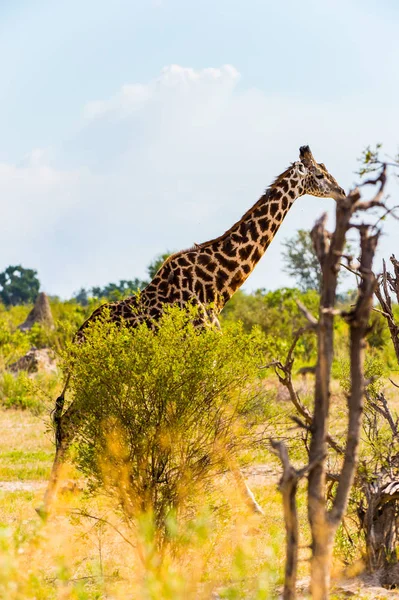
x=300 y=169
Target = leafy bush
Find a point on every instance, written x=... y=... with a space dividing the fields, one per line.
x=278 y=316
x=68 y=317
x=374 y=369
x=13 y=390
x=24 y=392
x=161 y=411
x=13 y=344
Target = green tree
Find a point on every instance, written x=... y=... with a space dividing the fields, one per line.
x=301 y=261
x=156 y=264
x=117 y=291
x=126 y=287
x=82 y=297
x=18 y=285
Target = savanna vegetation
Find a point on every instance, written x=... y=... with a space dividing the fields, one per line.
x=151 y=506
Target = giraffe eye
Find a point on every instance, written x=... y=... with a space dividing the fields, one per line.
x=321 y=176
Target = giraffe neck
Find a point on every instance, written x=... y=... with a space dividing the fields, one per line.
x=239 y=250
x=210 y=273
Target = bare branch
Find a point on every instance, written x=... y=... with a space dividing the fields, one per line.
x=307 y=314
x=348 y=268
x=384 y=410
x=394 y=280
x=310 y=466
x=82 y=513
x=376 y=201
x=284 y=374
x=382 y=293
x=393 y=383
x=388 y=211
x=300 y=423
x=381 y=312
x=320 y=238
x=358 y=320
x=288 y=487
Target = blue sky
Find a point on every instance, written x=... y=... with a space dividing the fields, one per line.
x=132 y=127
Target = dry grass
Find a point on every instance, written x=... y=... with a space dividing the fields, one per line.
x=224 y=554
x=79 y=557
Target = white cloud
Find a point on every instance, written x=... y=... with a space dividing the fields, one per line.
x=166 y=163
x=129 y=99
x=173 y=80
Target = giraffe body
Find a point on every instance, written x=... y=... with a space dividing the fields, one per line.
x=206 y=275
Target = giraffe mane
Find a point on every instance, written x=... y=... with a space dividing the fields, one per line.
x=281 y=177
x=227 y=233
x=277 y=181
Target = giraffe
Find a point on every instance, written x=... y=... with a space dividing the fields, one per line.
x=207 y=275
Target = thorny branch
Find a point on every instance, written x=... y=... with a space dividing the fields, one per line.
x=380 y=405
x=386 y=283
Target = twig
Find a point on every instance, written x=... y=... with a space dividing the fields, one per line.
x=102 y=520
x=389 y=211
x=348 y=268
x=286 y=380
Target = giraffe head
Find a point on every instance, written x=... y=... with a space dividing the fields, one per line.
x=316 y=180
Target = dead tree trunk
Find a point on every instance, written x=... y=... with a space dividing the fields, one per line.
x=380 y=517
x=288 y=487
x=324 y=523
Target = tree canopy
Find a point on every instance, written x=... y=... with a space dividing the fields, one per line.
x=125 y=287
x=18 y=285
x=301 y=261
x=157 y=263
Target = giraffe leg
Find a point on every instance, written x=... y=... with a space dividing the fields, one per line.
x=64 y=434
x=52 y=486
x=57 y=412
x=246 y=491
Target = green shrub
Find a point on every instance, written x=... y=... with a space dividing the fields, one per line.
x=277 y=314
x=68 y=317
x=160 y=412
x=24 y=392
x=374 y=370
x=40 y=336
x=13 y=344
